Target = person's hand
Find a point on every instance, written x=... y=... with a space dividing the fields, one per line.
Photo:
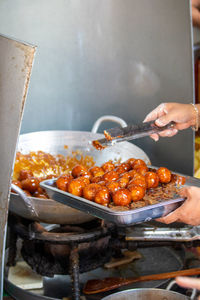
x=189 y=211
x=183 y=115
x=196 y=12
x=188 y=282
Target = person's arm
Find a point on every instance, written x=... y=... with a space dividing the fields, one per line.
x=184 y=115
x=196 y=12
x=188 y=282
x=189 y=211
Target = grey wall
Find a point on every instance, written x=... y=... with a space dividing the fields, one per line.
x=97 y=57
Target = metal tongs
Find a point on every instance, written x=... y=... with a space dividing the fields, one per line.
x=130 y=132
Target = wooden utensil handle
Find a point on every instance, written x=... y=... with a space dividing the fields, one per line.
x=107 y=284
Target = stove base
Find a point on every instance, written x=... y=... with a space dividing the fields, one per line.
x=154 y=260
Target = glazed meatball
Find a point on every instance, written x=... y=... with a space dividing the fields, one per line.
x=126 y=166
x=164 y=175
x=79 y=170
x=62 y=182
x=126 y=175
x=24 y=174
x=90 y=190
x=123 y=181
x=30 y=184
x=97 y=179
x=122 y=168
x=85 y=180
x=152 y=180
x=122 y=197
x=111 y=176
x=138 y=163
x=99 y=173
x=108 y=166
x=75 y=187
x=142 y=170
x=137 y=192
x=139 y=181
x=178 y=180
x=102 y=196
x=94 y=170
x=133 y=173
x=113 y=186
x=130 y=161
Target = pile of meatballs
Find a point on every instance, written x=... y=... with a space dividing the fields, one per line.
x=119 y=185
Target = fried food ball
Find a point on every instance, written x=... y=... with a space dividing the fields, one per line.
x=122 y=197
x=102 y=196
x=111 y=176
x=97 y=179
x=139 y=181
x=152 y=180
x=84 y=179
x=75 y=187
x=99 y=173
x=126 y=166
x=130 y=161
x=126 y=175
x=79 y=170
x=138 y=163
x=133 y=173
x=108 y=166
x=30 y=184
x=120 y=170
x=178 y=180
x=94 y=170
x=62 y=182
x=142 y=170
x=24 y=174
x=113 y=186
x=90 y=190
x=164 y=175
x=123 y=181
x=137 y=192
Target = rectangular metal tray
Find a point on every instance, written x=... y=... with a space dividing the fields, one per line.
x=121 y=218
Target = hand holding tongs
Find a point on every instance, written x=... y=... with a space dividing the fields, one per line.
x=130 y=132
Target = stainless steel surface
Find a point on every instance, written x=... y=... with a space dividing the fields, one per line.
x=184 y=234
x=107 y=57
x=131 y=132
x=146 y=294
x=102 y=119
x=59 y=286
x=53 y=142
x=15 y=68
x=26 y=200
x=121 y=218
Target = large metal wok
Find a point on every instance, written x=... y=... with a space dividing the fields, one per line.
x=48 y=210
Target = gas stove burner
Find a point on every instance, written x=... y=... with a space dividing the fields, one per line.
x=56 y=251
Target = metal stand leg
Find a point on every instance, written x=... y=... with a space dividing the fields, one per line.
x=74 y=272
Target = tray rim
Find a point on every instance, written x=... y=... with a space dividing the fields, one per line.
x=44 y=184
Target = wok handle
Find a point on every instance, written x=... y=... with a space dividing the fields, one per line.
x=27 y=201
x=102 y=119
